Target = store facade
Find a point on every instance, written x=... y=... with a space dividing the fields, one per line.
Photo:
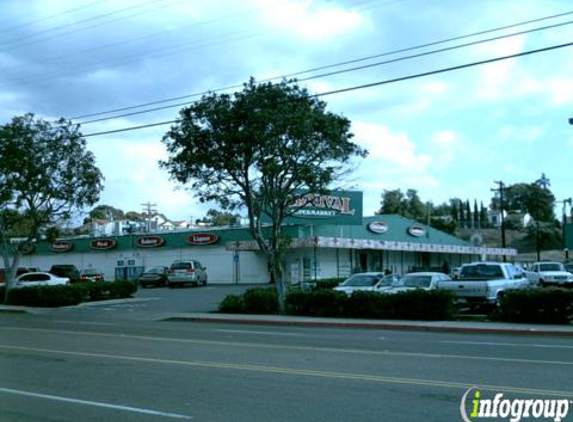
x=318 y=251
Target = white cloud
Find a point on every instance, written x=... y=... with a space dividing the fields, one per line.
x=311 y=20
x=523 y=135
x=494 y=78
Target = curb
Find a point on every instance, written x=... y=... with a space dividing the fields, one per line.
x=550 y=332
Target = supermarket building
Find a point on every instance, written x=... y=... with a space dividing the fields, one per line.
x=318 y=251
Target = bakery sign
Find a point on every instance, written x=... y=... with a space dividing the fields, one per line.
x=416 y=231
x=103 y=244
x=149 y=241
x=202 y=239
x=61 y=246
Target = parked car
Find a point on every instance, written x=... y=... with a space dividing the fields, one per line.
x=156 y=276
x=484 y=283
x=186 y=272
x=91 y=274
x=420 y=280
x=40 y=279
x=19 y=272
x=368 y=282
x=549 y=274
x=66 y=270
x=569 y=267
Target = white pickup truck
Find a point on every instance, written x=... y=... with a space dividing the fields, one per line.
x=483 y=283
x=549 y=274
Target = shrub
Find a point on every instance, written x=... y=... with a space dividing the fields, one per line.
x=327 y=283
x=232 y=304
x=55 y=296
x=543 y=306
x=320 y=302
x=367 y=305
x=45 y=296
x=121 y=289
x=260 y=300
x=422 y=305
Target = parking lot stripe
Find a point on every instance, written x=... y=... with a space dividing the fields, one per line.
x=93 y=403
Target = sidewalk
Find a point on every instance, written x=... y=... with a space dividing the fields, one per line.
x=469 y=327
x=428 y=326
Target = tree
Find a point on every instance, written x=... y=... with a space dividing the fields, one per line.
x=219 y=218
x=393 y=202
x=45 y=174
x=415 y=208
x=260 y=149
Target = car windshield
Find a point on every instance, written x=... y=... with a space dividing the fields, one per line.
x=361 y=280
x=481 y=272
x=416 y=280
x=550 y=267
x=91 y=271
x=180 y=265
x=156 y=270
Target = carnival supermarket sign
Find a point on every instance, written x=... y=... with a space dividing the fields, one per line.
x=335 y=207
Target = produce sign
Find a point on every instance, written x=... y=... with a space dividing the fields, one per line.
x=103 y=244
x=416 y=231
x=202 y=239
x=378 y=227
x=149 y=241
x=61 y=246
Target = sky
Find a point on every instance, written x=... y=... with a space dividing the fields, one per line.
x=449 y=134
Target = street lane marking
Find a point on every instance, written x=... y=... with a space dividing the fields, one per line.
x=387 y=353
x=493 y=343
x=301 y=372
x=65 y=321
x=93 y=403
x=264 y=333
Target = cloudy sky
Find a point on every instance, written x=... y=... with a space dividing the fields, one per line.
x=449 y=134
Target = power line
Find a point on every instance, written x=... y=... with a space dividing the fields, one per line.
x=373 y=84
x=93 y=18
x=46 y=18
x=403 y=50
x=427 y=53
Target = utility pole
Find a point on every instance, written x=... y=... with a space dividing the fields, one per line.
x=500 y=190
x=147 y=210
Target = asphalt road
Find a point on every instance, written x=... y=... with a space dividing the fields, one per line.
x=106 y=365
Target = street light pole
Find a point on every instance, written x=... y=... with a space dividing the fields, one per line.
x=501 y=188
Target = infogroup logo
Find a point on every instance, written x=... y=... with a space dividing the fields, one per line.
x=514 y=410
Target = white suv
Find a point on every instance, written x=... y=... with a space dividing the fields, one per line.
x=186 y=272
x=549 y=273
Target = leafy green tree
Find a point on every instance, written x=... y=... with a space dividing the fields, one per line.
x=415 y=208
x=532 y=198
x=258 y=149
x=46 y=173
x=219 y=218
x=393 y=202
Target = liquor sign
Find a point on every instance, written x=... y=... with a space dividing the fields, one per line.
x=202 y=239
x=149 y=241
x=416 y=231
x=103 y=244
x=61 y=246
x=378 y=227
